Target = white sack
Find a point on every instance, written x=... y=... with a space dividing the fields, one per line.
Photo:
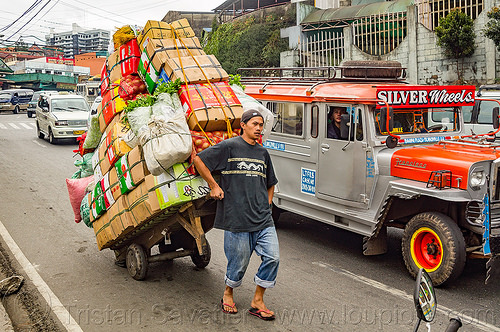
x=166 y=142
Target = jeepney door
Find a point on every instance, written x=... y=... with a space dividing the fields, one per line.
x=342 y=161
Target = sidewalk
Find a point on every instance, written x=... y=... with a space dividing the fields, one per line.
x=5 y=322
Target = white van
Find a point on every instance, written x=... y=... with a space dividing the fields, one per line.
x=61 y=116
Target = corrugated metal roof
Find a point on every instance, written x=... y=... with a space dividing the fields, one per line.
x=352 y=12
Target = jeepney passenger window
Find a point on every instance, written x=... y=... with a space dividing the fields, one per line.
x=485 y=113
x=314 y=121
x=467 y=113
x=288 y=117
x=359 y=127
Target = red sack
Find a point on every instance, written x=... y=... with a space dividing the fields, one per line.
x=76 y=191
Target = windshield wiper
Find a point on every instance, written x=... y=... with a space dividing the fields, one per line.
x=75 y=108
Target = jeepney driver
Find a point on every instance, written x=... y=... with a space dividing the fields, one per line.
x=244 y=202
x=333 y=123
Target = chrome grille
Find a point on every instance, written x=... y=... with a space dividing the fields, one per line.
x=495 y=215
x=495 y=177
x=77 y=122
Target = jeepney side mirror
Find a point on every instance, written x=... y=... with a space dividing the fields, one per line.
x=345 y=123
x=384 y=114
x=495 y=118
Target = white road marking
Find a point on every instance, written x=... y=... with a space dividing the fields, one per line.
x=55 y=304
x=2 y=126
x=399 y=293
x=25 y=125
x=13 y=125
x=38 y=143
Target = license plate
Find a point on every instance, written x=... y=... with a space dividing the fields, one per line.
x=78 y=132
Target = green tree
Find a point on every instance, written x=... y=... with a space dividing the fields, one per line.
x=492 y=29
x=456 y=36
x=251 y=42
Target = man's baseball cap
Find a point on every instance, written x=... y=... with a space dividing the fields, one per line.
x=248 y=114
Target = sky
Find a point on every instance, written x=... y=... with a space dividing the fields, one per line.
x=104 y=14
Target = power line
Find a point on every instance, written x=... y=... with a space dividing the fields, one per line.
x=29 y=20
x=35 y=4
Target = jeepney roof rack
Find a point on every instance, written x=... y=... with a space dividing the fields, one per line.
x=318 y=75
x=487 y=87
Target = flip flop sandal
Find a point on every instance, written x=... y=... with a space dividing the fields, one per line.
x=228 y=305
x=258 y=313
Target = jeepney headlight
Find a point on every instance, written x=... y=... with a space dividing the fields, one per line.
x=476 y=179
x=61 y=123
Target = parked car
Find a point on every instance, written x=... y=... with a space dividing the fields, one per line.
x=478 y=118
x=32 y=104
x=15 y=100
x=61 y=116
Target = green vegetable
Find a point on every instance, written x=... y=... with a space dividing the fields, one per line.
x=236 y=80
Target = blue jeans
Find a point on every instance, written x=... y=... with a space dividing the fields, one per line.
x=238 y=248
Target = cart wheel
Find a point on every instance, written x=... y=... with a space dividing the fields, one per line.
x=201 y=261
x=137 y=262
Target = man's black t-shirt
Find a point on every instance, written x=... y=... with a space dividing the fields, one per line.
x=246 y=174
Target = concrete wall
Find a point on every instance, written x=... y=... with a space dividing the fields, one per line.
x=425 y=61
x=197 y=20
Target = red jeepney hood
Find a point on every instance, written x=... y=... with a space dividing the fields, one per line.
x=418 y=162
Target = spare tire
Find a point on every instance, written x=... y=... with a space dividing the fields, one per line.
x=371 y=69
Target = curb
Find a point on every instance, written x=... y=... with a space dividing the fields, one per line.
x=5 y=322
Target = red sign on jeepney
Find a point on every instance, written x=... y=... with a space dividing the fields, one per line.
x=426 y=96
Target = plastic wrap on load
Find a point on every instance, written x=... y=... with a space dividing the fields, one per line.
x=93 y=134
x=167 y=142
x=131 y=139
x=85 y=210
x=139 y=118
x=85 y=165
x=163 y=106
x=250 y=103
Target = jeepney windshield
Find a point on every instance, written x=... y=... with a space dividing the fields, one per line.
x=420 y=121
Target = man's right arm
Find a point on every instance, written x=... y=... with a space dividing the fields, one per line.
x=216 y=191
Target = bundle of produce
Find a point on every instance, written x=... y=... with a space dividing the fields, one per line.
x=203 y=140
x=84 y=166
x=156 y=52
x=196 y=69
x=93 y=134
x=125 y=34
x=166 y=142
x=210 y=106
x=81 y=146
x=111 y=105
x=130 y=87
x=120 y=63
x=163 y=30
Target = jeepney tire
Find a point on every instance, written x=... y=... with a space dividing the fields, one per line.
x=16 y=110
x=30 y=114
x=429 y=227
x=137 y=262
x=40 y=134
x=201 y=261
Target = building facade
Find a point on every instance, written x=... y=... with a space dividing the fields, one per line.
x=79 y=40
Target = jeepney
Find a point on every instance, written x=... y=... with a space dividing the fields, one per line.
x=403 y=161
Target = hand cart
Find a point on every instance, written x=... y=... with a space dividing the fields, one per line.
x=178 y=233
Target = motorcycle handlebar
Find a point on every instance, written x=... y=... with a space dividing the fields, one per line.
x=454 y=325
